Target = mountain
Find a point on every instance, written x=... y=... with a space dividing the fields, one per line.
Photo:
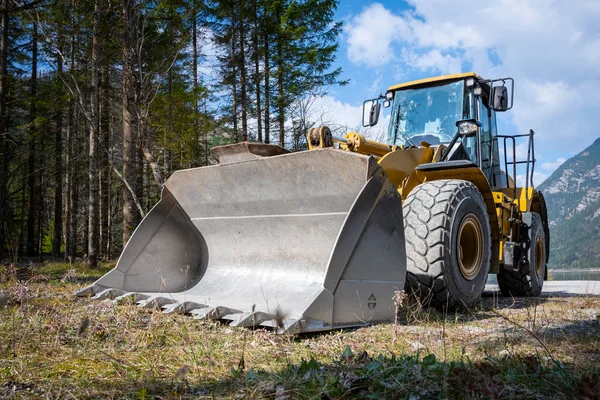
x=572 y=195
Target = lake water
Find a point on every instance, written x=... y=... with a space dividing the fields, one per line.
x=564 y=275
x=574 y=275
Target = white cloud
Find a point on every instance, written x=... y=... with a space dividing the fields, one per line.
x=371 y=33
x=340 y=117
x=551 y=48
x=432 y=61
x=552 y=165
x=538 y=178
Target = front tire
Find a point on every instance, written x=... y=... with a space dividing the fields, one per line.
x=448 y=243
x=528 y=280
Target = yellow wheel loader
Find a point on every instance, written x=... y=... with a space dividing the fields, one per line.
x=325 y=238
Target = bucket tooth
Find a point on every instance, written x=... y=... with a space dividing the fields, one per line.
x=251 y=319
x=232 y=317
x=155 y=302
x=89 y=290
x=213 y=312
x=108 y=294
x=280 y=326
x=292 y=325
x=289 y=325
x=131 y=295
x=184 y=307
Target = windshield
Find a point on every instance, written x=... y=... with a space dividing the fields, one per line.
x=427 y=114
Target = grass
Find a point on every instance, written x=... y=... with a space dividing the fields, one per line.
x=57 y=346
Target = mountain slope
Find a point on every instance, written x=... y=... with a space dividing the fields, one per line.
x=572 y=195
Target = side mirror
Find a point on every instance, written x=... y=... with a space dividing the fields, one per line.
x=371 y=117
x=500 y=99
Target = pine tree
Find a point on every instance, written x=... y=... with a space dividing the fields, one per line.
x=129 y=117
x=81 y=168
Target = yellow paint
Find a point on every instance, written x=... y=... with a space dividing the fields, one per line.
x=434 y=79
x=439 y=151
x=503 y=206
x=358 y=144
x=398 y=165
x=523 y=198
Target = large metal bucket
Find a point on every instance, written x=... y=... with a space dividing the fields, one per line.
x=299 y=242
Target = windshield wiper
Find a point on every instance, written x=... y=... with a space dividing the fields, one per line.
x=398 y=130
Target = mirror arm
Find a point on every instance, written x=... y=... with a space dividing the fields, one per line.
x=450 y=145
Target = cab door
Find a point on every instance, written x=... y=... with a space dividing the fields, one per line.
x=490 y=158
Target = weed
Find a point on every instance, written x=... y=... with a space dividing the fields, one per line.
x=56 y=345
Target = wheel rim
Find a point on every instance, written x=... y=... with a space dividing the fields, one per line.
x=539 y=257
x=470 y=247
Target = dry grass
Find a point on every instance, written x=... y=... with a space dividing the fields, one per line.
x=58 y=346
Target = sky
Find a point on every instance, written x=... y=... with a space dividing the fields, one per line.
x=551 y=49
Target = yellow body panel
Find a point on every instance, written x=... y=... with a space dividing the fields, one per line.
x=434 y=79
x=523 y=198
x=400 y=164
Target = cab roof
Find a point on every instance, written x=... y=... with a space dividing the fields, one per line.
x=434 y=79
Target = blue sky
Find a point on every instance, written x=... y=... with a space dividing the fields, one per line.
x=551 y=48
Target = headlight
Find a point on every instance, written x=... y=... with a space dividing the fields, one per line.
x=389 y=95
x=467 y=128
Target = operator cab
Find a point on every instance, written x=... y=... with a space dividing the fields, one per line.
x=452 y=110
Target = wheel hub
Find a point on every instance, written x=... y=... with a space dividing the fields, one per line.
x=470 y=247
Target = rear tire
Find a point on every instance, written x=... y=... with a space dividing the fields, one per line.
x=528 y=280
x=448 y=243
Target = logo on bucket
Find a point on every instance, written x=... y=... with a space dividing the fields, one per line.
x=371 y=302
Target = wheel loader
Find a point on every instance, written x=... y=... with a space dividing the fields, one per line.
x=325 y=238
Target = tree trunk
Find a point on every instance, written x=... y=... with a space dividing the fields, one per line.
x=139 y=166
x=267 y=89
x=167 y=140
x=194 y=73
x=93 y=220
x=3 y=125
x=31 y=182
x=71 y=233
x=76 y=190
x=104 y=150
x=70 y=182
x=129 y=134
x=154 y=167
x=243 y=82
x=280 y=93
x=234 y=73
x=205 y=129
x=257 y=74
x=41 y=198
x=58 y=172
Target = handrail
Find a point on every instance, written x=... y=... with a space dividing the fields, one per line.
x=514 y=162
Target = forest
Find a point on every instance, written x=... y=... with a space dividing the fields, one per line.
x=101 y=100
